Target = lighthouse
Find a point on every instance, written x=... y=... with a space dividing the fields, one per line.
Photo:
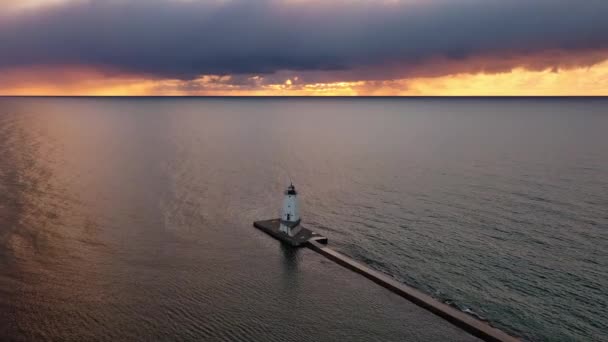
x=288 y=228
x=290 y=215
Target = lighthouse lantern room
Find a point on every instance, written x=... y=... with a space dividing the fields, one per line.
x=290 y=215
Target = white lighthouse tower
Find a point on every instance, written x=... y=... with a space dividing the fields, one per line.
x=290 y=215
x=287 y=228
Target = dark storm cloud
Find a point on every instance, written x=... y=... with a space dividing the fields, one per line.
x=169 y=38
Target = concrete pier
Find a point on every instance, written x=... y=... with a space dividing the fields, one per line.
x=473 y=326
x=272 y=228
x=316 y=242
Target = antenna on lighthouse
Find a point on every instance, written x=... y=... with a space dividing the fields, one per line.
x=287 y=173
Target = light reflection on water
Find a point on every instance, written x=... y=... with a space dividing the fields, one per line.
x=131 y=218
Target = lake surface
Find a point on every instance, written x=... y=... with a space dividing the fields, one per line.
x=130 y=219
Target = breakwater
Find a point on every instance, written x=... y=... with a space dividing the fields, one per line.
x=473 y=326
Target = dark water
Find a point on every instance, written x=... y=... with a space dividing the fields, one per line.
x=130 y=219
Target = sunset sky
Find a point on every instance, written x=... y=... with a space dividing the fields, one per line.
x=304 y=47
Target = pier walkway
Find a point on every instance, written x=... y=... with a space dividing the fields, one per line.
x=473 y=326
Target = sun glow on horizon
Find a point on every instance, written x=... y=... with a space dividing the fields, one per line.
x=577 y=81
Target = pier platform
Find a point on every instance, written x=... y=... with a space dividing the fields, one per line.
x=305 y=235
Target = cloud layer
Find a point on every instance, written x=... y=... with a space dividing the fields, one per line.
x=186 y=38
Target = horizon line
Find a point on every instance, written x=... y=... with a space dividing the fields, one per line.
x=308 y=96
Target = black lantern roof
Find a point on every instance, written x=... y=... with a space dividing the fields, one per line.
x=291 y=190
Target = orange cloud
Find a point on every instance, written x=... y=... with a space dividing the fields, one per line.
x=73 y=81
x=582 y=81
x=571 y=81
